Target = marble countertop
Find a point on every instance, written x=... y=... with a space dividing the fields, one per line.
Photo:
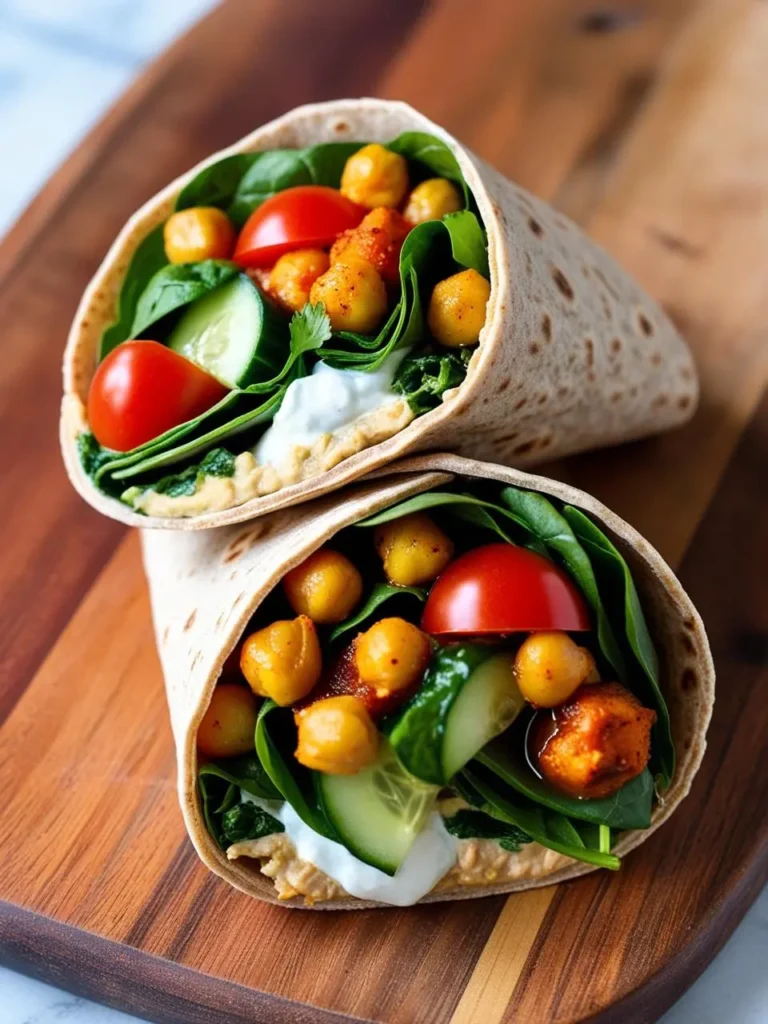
x=62 y=62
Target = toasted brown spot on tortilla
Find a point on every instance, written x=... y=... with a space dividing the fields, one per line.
x=644 y=324
x=542 y=399
x=689 y=624
x=688 y=680
x=633 y=391
x=563 y=284
x=521 y=449
x=535 y=227
x=341 y=126
x=533 y=348
x=562 y=391
x=507 y=438
x=616 y=345
x=503 y=386
x=660 y=400
x=589 y=345
x=616 y=396
x=687 y=643
x=591 y=377
x=684 y=401
x=546 y=326
x=520 y=404
x=656 y=359
x=190 y=621
x=685 y=373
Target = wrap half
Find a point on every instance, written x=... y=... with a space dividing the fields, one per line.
x=572 y=354
x=207 y=587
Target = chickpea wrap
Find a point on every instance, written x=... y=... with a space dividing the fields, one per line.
x=578 y=730
x=432 y=305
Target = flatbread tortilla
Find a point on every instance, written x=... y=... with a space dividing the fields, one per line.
x=573 y=354
x=206 y=586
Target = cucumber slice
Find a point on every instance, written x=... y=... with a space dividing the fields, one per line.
x=378 y=812
x=486 y=705
x=233 y=333
x=469 y=695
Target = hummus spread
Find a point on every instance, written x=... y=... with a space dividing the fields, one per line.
x=251 y=479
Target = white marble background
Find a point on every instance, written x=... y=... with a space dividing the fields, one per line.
x=62 y=62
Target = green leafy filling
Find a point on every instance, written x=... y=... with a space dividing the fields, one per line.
x=247 y=821
x=470 y=824
x=423 y=380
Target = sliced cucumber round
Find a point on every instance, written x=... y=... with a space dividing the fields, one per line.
x=486 y=705
x=469 y=695
x=233 y=333
x=378 y=812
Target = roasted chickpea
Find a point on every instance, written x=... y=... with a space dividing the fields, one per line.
x=354 y=296
x=377 y=240
x=456 y=311
x=283 y=660
x=326 y=587
x=375 y=176
x=431 y=200
x=597 y=742
x=336 y=736
x=228 y=725
x=199 y=233
x=413 y=548
x=292 y=277
x=392 y=655
x=550 y=667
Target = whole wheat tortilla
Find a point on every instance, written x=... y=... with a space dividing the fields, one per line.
x=573 y=354
x=206 y=586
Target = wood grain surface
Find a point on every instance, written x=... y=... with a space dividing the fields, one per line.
x=645 y=120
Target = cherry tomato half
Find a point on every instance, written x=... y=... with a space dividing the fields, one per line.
x=303 y=217
x=143 y=389
x=499 y=588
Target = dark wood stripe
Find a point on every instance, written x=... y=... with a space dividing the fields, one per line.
x=627 y=914
x=131 y=980
x=54 y=547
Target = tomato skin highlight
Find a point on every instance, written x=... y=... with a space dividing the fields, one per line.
x=302 y=217
x=499 y=589
x=141 y=389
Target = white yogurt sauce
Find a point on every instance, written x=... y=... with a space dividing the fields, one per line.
x=323 y=402
x=433 y=854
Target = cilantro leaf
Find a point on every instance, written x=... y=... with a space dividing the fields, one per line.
x=310 y=327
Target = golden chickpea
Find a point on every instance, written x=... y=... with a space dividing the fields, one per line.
x=336 y=736
x=550 y=667
x=283 y=660
x=413 y=548
x=354 y=296
x=456 y=311
x=392 y=655
x=294 y=274
x=375 y=176
x=326 y=587
x=229 y=724
x=431 y=200
x=199 y=233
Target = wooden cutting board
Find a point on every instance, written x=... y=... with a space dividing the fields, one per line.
x=644 y=120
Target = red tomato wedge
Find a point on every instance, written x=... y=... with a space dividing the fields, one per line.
x=143 y=389
x=306 y=216
x=500 y=588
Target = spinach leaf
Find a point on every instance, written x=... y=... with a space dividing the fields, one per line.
x=468 y=242
x=147 y=260
x=423 y=380
x=218 y=462
x=245 y=772
x=92 y=456
x=433 y=153
x=552 y=529
x=381 y=592
x=247 y=821
x=216 y=185
x=467 y=824
x=543 y=825
x=629 y=807
x=615 y=575
x=278 y=169
x=275 y=743
x=176 y=285
x=438 y=499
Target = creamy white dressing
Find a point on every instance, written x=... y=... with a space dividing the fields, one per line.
x=433 y=853
x=322 y=403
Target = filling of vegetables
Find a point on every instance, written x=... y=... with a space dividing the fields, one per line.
x=484 y=643
x=342 y=253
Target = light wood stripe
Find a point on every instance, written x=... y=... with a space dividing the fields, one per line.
x=501 y=963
